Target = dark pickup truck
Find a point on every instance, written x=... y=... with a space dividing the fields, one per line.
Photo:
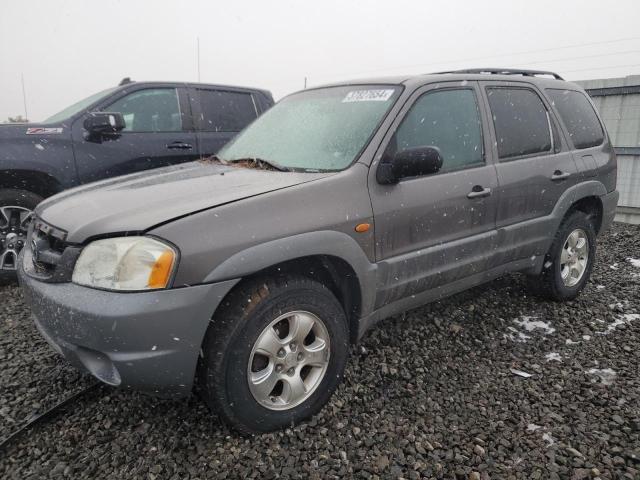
x=132 y=127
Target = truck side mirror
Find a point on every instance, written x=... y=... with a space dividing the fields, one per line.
x=104 y=123
x=410 y=162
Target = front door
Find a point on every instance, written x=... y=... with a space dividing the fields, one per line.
x=436 y=229
x=158 y=133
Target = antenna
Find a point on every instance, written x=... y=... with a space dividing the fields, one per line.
x=198 y=53
x=305 y=83
x=24 y=99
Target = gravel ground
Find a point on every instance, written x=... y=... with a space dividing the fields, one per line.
x=435 y=393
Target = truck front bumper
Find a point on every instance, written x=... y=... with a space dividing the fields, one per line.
x=148 y=341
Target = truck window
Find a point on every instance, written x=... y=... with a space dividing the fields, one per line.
x=579 y=117
x=150 y=110
x=449 y=120
x=520 y=120
x=224 y=111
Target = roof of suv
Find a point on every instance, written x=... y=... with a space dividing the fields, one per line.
x=498 y=74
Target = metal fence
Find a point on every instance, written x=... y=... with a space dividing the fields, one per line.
x=618 y=101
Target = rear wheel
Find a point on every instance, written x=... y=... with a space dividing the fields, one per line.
x=274 y=354
x=16 y=209
x=570 y=259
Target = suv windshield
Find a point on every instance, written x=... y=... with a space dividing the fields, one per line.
x=77 y=107
x=315 y=130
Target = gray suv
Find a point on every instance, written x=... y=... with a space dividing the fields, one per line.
x=249 y=274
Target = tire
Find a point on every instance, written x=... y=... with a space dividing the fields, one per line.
x=11 y=234
x=248 y=312
x=550 y=283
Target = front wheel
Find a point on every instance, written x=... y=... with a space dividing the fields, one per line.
x=570 y=259
x=274 y=354
x=16 y=207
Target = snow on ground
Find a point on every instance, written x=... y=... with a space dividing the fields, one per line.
x=606 y=375
x=621 y=320
x=553 y=357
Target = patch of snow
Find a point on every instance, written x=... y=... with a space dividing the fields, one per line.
x=634 y=261
x=553 y=357
x=568 y=341
x=621 y=320
x=614 y=266
x=530 y=324
x=600 y=287
x=532 y=427
x=549 y=439
x=516 y=336
x=606 y=375
x=586 y=337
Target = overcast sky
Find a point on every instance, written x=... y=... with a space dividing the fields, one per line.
x=68 y=50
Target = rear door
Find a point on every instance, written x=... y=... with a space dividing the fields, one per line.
x=535 y=166
x=220 y=114
x=436 y=229
x=158 y=132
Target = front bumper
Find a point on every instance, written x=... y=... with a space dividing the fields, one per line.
x=147 y=341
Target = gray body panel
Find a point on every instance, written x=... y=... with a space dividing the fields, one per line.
x=428 y=240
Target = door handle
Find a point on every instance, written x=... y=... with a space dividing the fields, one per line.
x=559 y=175
x=179 y=146
x=478 y=192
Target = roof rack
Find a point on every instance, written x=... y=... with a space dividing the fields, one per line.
x=506 y=71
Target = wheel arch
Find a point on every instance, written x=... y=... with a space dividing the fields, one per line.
x=34 y=181
x=585 y=197
x=333 y=258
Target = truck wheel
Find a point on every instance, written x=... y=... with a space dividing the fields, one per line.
x=274 y=353
x=570 y=259
x=16 y=207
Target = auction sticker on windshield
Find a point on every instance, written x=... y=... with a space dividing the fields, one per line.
x=380 y=95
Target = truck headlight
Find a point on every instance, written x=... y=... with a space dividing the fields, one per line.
x=125 y=263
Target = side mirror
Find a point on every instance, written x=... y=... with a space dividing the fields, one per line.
x=104 y=123
x=410 y=162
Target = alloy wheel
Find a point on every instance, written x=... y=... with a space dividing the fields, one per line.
x=14 y=223
x=289 y=360
x=574 y=257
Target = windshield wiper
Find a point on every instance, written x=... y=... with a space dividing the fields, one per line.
x=254 y=162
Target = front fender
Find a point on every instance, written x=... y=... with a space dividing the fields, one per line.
x=330 y=243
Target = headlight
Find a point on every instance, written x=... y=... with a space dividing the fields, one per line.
x=125 y=263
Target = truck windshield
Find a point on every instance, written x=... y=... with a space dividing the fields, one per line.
x=315 y=130
x=77 y=107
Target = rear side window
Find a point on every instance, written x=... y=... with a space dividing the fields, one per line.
x=579 y=117
x=448 y=120
x=224 y=111
x=520 y=120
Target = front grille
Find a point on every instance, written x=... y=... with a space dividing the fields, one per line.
x=52 y=259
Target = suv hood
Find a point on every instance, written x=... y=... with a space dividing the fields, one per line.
x=138 y=202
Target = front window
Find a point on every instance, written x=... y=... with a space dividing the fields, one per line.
x=78 y=107
x=315 y=130
x=149 y=110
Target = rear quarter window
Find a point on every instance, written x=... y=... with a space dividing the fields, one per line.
x=224 y=111
x=579 y=117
